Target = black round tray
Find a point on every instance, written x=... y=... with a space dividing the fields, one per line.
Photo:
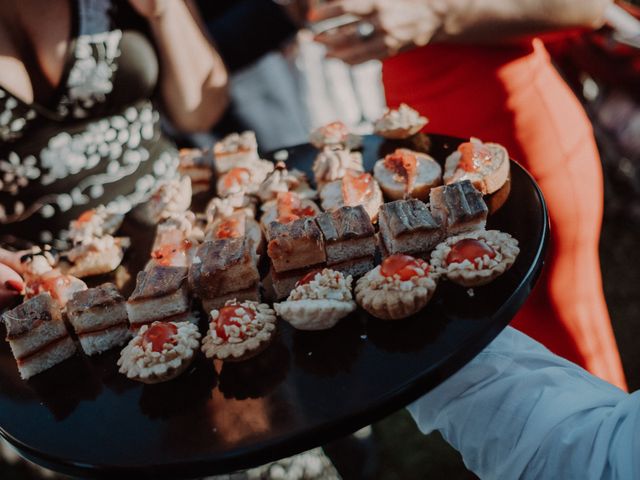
x=84 y=418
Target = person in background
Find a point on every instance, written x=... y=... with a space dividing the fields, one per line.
x=81 y=84
x=479 y=68
x=80 y=87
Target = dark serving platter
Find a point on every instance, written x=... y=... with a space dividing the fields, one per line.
x=84 y=418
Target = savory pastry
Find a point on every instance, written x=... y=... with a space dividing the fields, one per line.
x=486 y=165
x=160 y=294
x=178 y=229
x=224 y=268
x=349 y=240
x=333 y=162
x=227 y=206
x=400 y=123
x=459 y=207
x=334 y=134
x=235 y=150
x=95 y=223
x=245 y=179
x=99 y=318
x=60 y=286
x=197 y=164
x=284 y=180
x=288 y=207
x=37 y=335
x=319 y=300
x=295 y=245
x=178 y=254
x=170 y=197
x=405 y=173
x=475 y=258
x=407 y=226
x=239 y=330
x=159 y=352
x=353 y=189
x=96 y=255
x=237 y=225
x=401 y=286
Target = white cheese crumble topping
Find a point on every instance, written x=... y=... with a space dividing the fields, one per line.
x=245 y=335
x=326 y=285
x=138 y=360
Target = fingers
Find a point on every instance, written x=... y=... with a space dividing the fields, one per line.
x=362 y=51
x=337 y=8
x=11 y=285
x=11 y=259
x=347 y=35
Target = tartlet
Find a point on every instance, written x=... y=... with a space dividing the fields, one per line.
x=239 y=330
x=475 y=258
x=401 y=286
x=319 y=300
x=159 y=352
x=400 y=123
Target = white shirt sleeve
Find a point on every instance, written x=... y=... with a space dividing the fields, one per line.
x=519 y=411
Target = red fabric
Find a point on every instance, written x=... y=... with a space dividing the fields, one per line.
x=514 y=96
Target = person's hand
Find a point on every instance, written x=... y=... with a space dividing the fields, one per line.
x=150 y=8
x=385 y=28
x=11 y=284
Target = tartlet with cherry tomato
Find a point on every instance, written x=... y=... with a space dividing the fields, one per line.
x=398 y=288
x=239 y=330
x=475 y=258
x=160 y=352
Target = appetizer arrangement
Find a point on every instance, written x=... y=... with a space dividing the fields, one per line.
x=318 y=247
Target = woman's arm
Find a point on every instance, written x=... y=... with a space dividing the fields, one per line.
x=518 y=411
x=495 y=20
x=193 y=78
x=403 y=24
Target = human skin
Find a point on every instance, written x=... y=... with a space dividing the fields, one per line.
x=404 y=24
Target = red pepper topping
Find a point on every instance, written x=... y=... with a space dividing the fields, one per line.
x=289 y=208
x=159 y=334
x=405 y=266
x=229 y=228
x=86 y=216
x=404 y=165
x=228 y=315
x=307 y=278
x=474 y=155
x=356 y=187
x=165 y=254
x=469 y=249
x=336 y=128
x=236 y=176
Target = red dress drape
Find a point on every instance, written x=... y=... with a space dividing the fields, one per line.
x=514 y=96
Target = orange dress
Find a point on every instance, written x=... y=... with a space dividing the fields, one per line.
x=514 y=96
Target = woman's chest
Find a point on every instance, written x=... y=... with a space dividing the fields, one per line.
x=35 y=45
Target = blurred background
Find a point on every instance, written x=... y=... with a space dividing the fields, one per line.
x=287 y=87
